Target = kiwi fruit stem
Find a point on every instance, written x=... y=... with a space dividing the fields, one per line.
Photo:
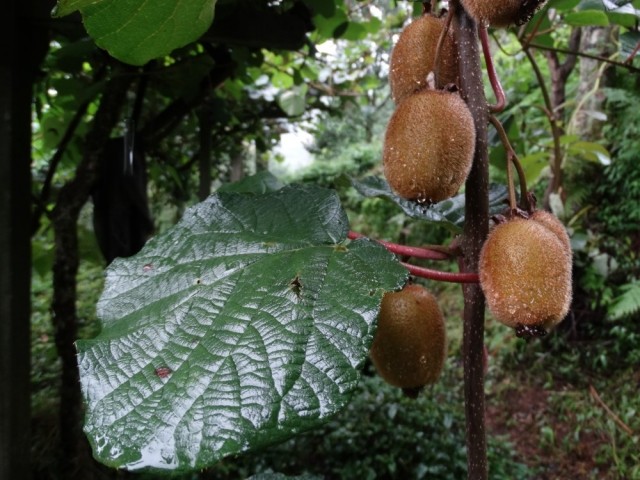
x=443 y=35
x=429 y=7
x=512 y=158
x=512 y=189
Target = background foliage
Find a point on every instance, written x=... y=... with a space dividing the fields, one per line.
x=322 y=67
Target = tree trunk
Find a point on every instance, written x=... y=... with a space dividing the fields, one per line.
x=75 y=459
x=23 y=44
x=237 y=166
x=560 y=72
x=587 y=122
x=205 y=122
x=475 y=231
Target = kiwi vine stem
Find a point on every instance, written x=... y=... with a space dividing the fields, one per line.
x=442 y=253
x=475 y=232
x=599 y=58
x=437 y=275
x=501 y=99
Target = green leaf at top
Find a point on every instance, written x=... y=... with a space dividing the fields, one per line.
x=241 y=326
x=136 y=31
x=449 y=213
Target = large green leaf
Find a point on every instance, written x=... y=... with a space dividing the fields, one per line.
x=242 y=325
x=136 y=31
x=449 y=213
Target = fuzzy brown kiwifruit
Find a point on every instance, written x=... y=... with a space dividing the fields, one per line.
x=428 y=146
x=552 y=223
x=413 y=57
x=502 y=13
x=409 y=347
x=525 y=274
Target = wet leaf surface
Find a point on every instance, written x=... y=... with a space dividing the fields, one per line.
x=241 y=326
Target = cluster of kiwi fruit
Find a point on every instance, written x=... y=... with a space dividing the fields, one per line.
x=525 y=272
x=410 y=345
x=525 y=263
x=430 y=139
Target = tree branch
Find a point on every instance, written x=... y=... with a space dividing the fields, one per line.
x=630 y=68
x=570 y=61
x=45 y=192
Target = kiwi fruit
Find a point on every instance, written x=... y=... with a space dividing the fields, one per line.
x=552 y=223
x=413 y=57
x=525 y=274
x=409 y=347
x=502 y=13
x=429 y=145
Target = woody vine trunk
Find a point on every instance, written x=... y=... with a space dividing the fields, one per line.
x=475 y=232
x=75 y=460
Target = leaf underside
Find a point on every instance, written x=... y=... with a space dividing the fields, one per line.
x=241 y=326
x=136 y=31
x=449 y=213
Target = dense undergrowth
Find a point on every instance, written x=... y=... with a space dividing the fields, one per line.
x=383 y=435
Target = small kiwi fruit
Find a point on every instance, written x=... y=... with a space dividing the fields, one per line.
x=502 y=13
x=409 y=347
x=429 y=145
x=413 y=57
x=525 y=274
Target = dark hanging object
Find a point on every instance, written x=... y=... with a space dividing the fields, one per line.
x=121 y=217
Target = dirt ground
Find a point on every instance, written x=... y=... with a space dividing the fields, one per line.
x=522 y=413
